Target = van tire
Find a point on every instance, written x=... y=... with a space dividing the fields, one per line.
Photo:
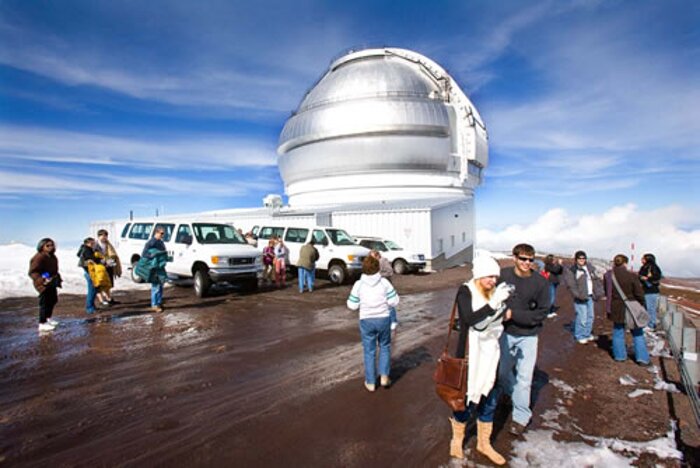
x=134 y=277
x=202 y=283
x=337 y=273
x=400 y=266
x=250 y=285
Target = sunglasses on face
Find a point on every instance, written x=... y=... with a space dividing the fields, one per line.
x=526 y=259
x=581 y=258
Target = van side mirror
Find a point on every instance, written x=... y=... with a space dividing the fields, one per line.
x=187 y=240
x=324 y=241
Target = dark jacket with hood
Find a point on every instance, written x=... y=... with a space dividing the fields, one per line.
x=629 y=283
x=40 y=264
x=653 y=274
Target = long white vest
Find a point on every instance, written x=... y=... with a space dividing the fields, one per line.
x=484 y=349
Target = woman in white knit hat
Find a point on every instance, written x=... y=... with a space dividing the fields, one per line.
x=481 y=306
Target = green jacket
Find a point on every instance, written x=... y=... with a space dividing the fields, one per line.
x=152 y=269
x=307 y=257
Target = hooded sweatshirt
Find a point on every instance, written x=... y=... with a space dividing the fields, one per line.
x=372 y=295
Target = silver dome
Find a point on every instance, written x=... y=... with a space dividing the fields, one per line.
x=379 y=110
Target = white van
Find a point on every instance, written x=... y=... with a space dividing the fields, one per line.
x=208 y=252
x=339 y=255
x=403 y=261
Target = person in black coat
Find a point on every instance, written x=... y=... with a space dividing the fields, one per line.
x=553 y=270
x=43 y=270
x=615 y=308
x=650 y=276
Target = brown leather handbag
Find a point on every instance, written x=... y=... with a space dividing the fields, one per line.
x=451 y=373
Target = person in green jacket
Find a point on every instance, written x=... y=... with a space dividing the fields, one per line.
x=308 y=255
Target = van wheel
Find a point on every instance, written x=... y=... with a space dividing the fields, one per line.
x=134 y=277
x=337 y=274
x=202 y=283
x=400 y=266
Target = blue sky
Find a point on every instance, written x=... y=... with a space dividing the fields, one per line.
x=111 y=106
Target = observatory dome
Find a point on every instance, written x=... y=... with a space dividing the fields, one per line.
x=382 y=124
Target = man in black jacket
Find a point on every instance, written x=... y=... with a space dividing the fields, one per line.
x=650 y=275
x=586 y=287
x=528 y=308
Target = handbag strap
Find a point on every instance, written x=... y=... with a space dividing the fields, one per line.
x=617 y=286
x=449 y=330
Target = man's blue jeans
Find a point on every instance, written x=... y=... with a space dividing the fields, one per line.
x=515 y=371
x=583 y=324
x=552 y=295
x=156 y=294
x=373 y=331
x=91 y=294
x=619 y=350
x=652 y=301
x=306 y=277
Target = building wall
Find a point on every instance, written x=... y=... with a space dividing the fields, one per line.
x=453 y=229
x=409 y=228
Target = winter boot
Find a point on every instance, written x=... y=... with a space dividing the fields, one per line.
x=483 y=442
x=456 y=444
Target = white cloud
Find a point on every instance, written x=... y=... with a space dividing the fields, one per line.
x=603 y=235
x=203 y=152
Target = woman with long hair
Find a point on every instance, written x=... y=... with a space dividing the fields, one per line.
x=481 y=307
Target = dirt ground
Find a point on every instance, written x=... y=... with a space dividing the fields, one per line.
x=274 y=378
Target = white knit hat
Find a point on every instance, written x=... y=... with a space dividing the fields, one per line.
x=485 y=265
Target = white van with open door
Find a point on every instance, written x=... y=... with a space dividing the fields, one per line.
x=206 y=252
x=339 y=255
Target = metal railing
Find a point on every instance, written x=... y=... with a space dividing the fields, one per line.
x=682 y=338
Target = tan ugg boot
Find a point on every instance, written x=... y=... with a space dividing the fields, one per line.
x=483 y=442
x=457 y=441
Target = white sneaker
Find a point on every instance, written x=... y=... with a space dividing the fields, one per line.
x=52 y=322
x=385 y=381
x=370 y=387
x=45 y=327
x=394 y=325
x=591 y=338
x=582 y=341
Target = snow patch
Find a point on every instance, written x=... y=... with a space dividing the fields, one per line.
x=639 y=392
x=628 y=380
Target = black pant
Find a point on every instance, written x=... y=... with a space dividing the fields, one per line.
x=47 y=301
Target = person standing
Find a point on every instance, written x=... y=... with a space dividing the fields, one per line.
x=269 y=261
x=650 y=275
x=308 y=256
x=615 y=308
x=481 y=307
x=155 y=251
x=43 y=270
x=586 y=288
x=111 y=260
x=86 y=253
x=528 y=307
x=281 y=260
x=373 y=295
x=554 y=269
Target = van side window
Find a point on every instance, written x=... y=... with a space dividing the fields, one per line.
x=141 y=231
x=267 y=232
x=168 y=228
x=296 y=235
x=184 y=234
x=320 y=237
x=125 y=230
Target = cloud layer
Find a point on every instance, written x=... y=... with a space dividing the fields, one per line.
x=672 y=233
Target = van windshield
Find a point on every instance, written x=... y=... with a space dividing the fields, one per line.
x=392 y=245
x=217 y=234
x=340 y=237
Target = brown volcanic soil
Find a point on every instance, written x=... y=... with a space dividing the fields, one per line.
x=275 y=379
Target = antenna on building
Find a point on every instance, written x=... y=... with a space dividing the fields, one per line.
x=131 y=215
x=632 y=257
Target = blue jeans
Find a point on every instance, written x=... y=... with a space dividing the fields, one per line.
x=583 y=324
x=392 y=315
x=619 y=350
x=306 y=277
x=156 y=294
x=652 y=300
x=91 y=294
x=373 y=331
x=515 y=371
x=552 y=295
x=463 y=416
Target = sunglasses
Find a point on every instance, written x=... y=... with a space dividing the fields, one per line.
x=581 y=258
x=526 y=259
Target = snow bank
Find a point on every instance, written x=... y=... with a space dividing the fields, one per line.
x=15 y=282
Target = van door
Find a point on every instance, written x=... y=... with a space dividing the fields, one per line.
x=294 y=239
x=324 y=247
x=183 y=248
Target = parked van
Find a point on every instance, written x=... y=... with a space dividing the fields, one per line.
x=403 y=261
x=207 y=252
x=339 y=255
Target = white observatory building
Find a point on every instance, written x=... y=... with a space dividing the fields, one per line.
x=385 y=144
